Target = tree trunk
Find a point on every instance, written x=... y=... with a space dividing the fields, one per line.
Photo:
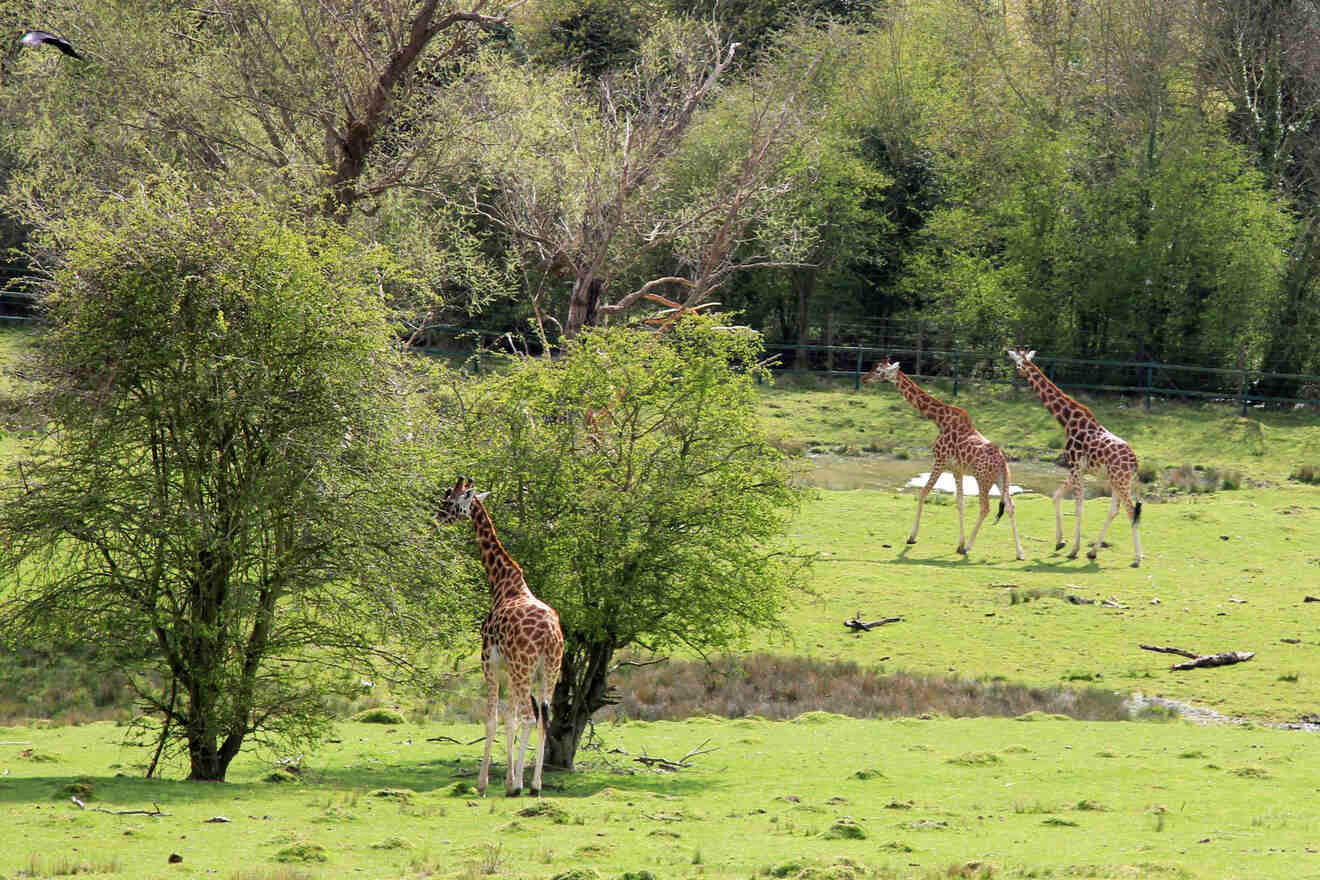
x=583 y=308
x=583 y=681
x=803 y=284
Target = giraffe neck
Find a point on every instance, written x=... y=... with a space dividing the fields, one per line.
x=1067 y=411
x=932 y=408
x=506 y=577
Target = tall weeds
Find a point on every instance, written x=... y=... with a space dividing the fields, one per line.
x=778 y=687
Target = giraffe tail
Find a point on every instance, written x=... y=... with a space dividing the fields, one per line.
x=1004 y=493
x=1136 y=512
x=541 y=712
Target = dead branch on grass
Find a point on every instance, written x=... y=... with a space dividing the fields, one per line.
x=1227 y=658
x=1201 y=661
x=858 y=625
x=658 y=763
x=1168 y=649
x=155 y=811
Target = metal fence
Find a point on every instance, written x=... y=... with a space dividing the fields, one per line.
x=1147 y=379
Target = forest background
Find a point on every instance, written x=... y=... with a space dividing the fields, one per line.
x=1124 y=179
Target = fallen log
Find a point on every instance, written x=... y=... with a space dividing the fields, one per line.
x=1170 y=650
x=152 y=812
x=858 y=625
x=1227 y=658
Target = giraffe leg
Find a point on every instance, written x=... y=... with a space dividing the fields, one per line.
x=1010 y=508
x=935 y=470
x=512 y=785
x=1100 y=541
x=525 y=724
x=983 y=484
x=962 y=504
x=1079 y=499
x=1058 y=515
x=542 y=712
x=492 y=722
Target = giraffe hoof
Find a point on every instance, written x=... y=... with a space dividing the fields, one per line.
x=514 y=792
x=962 y=551
x=1137 y=564
x=1059 y=546
x=1090 y=554
x=534 y=792
x=912 y=540
x=1105 y=544
x=1072 y=555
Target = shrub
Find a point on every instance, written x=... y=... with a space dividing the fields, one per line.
x=1306 y=473
x=380 y=715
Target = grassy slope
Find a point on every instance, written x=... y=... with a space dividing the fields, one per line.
x=1265 y=446
x=1243 y=593
x=1204 y=553
x=1034 y=798
x=1224 y=801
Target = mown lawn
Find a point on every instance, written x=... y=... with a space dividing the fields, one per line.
x=821 y=796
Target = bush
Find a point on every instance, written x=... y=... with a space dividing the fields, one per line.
x=380 y=715
x=1306 y=473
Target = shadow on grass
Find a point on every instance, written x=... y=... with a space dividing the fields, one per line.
x=119 y=792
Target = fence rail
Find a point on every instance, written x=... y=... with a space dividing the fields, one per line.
x=1154 y=379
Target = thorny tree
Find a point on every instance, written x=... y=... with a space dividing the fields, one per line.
x=225 y=503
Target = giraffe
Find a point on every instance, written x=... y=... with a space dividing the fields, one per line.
x=1089 y=447
x=520 y=633
x=960 y=449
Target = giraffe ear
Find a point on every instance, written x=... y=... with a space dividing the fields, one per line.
x=481 y=496
x=1030 y=355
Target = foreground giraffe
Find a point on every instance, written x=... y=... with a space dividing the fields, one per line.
x=960 y=449
x=1088 y=447
x=520 y=633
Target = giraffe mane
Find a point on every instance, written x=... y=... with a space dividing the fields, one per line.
x=1068 y=398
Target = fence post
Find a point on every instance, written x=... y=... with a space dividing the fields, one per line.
x=955 y=374
x=1149 y=374
x=1244 y=394
x=857 y=378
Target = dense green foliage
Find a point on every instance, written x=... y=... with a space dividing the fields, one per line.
x=225 y=491
x=632 y=481
x=1119 y=179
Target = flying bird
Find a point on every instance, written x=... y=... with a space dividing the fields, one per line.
x=36 y=38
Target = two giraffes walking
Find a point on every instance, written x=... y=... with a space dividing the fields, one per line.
x=961 y=449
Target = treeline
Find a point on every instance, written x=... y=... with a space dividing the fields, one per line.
x=1123 y=179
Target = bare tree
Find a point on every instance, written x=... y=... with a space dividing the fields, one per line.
x=646 y=184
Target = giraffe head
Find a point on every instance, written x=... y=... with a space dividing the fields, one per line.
x=1021 y=357
x=885 y=369
x=457 y=502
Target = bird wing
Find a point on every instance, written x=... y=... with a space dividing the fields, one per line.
x=36 y=38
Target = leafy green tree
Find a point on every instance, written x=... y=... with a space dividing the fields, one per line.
x=226 y=502
x=658 y=522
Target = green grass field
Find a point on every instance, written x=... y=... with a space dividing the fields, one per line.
x=825 y=796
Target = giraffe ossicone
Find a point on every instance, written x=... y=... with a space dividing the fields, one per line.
x=959 y=449
x=1088 y=446
x=521 y=637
